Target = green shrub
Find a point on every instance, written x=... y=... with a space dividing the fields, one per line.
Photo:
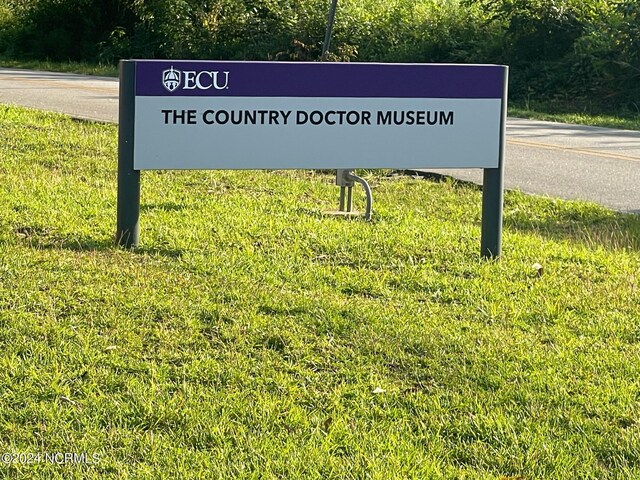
x=576 y=52
x=7 y=25
x=60 y=29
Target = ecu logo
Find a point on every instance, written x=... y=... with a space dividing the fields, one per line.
x=171 y=79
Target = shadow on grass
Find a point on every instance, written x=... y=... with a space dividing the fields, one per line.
x=159 y=251
x=441 y=178
x=164 y=207
x=45 y=241
x=588 y=224
x=283 y=311
x=559 y=220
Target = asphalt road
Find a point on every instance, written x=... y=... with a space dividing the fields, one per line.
x=571 y=162
x=558 y=160
x=91 y=98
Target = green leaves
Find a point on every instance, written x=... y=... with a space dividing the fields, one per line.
x=583 y=53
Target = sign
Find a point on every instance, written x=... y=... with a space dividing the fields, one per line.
x=178 y=114
x=280 y=115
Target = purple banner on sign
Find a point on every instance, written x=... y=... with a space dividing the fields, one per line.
x=180 y=78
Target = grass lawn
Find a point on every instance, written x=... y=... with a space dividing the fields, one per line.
x=628 y=121
x=250 y=336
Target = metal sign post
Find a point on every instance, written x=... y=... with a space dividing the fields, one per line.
x=493 y=193
x=128 y=228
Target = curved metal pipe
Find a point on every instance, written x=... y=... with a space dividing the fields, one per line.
x=367 y=191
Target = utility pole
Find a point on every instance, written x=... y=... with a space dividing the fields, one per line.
x=327 y=33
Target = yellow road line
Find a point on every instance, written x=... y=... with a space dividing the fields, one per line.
x=586 y=151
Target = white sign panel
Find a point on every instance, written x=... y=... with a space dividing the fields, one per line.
x=271 y=115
